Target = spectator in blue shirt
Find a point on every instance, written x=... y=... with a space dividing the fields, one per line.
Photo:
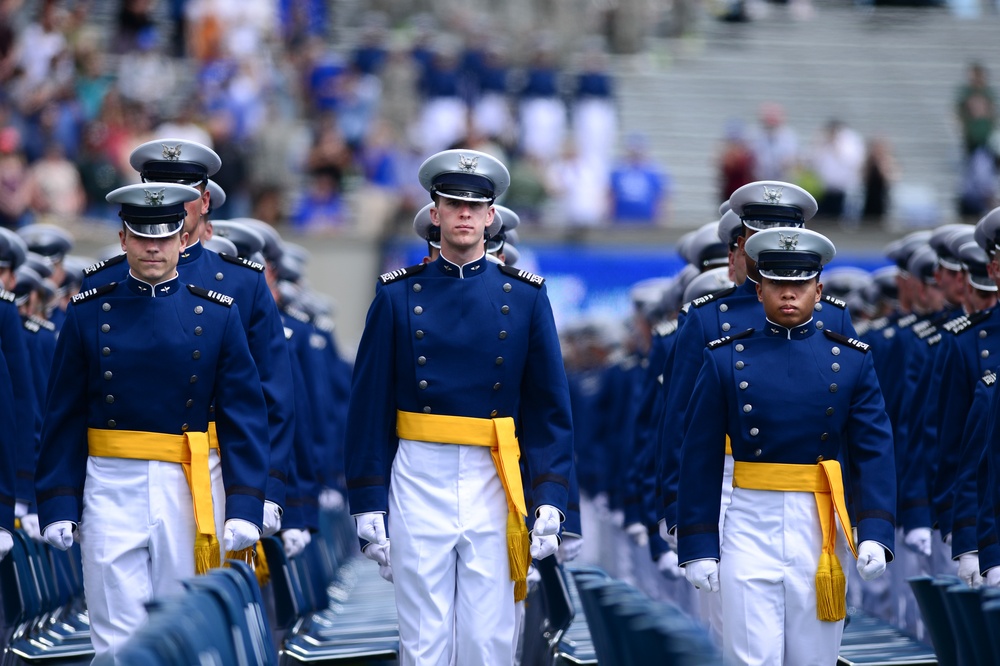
x=640 y=189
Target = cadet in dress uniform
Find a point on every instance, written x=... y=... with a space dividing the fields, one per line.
x=138 y=367
x=188 y=162
x=458 y=366
x=790 y=397
x=53 y=243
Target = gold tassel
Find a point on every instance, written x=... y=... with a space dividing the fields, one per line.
x=518 y=553
x=831 y=589
x=206 y=553
x=262 y=571
x=520 y=590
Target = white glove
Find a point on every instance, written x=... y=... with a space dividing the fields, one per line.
x=6 y=543
x=331 y=500
x=871 y=560
x=638 y=533
x=239 y=534
x=668 y=536
x=533 y=578
x=667 y=564
x=543 y=545
x=59 y=534
x=703 y=574
x=371 y=527
x=295 y=541
x=968 y=569
x=377 y=553
x=993 y=577
x=29 y=523
x=20 y=508
x=272 y=519
x=547 y=520
x=919 y=540
x=570 y=548
x=947 y=539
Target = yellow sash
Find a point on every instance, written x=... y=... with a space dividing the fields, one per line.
x=826 y=483
x=190 y=451
x=498 y=434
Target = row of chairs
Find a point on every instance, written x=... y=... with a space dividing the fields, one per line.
x=870 y=641
x=44 y=616
x=963 y=623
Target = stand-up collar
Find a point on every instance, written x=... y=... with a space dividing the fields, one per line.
x=471 y=269
x=143 y=288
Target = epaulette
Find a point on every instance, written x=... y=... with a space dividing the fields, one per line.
x=966 y=322
x=85 y=296
x=210 y=295
x=30 y=326
x=990 y=378
x=324 y=323
x=927 y=332
x=907 y=321
x=295 y=313
x=862 y=328
x=878 y=324
x=715 y=344
x=523 y=276
x=400 y=273
x=665 y=328
x=44 y=323
x=714 y=296
x=833 y=300
x=101 y=265
x=240 y=261
x=933 y=340
x=850 y=342
x=7 y=295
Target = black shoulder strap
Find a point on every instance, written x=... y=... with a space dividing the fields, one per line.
x=240 y=261
x=210 y=295
x=91 y=294
x=523 y=276
x=714 y=296
x=101 y=265
x=400 y=273
x=715 y=344
x=844 y=340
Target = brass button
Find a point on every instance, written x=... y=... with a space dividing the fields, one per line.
x=743 y=385
x=112 y=423
x=218 y=276
x=825 y=436
x=427 y=409
x=106 y=307
x=726 y=326
x=197 y=330
x=739 y=348
x=754 y=432
x=503 y=335
x=189 y=403
x=198 y=309
x=833 y=388
x=417 y=287
x=418 y=310
x=422 y=383
x=829 y=411
x=497 y=386
x=835 y=367
x=835 y=351
x=105 y=328
x=739 y=365
x=106 y=351
x=107 y=374
x=747 y=409
x=421 y=360
x=723 y=307
x=506 y=286
x=757 y=452
x=196 y=354
x=499 y=360
x=194 y=378
x=504 y=309
x=419 y=334
x=493 y=413
x=109 y=399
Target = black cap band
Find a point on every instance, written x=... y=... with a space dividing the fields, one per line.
x=142 y=215
x=784 y=260
x=766 y=216
x=174 y=172
x=463 y=185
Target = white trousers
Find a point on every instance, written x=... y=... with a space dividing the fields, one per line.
x=137 y=541
x=710 y=605
x=767 y=575
x=448 y=528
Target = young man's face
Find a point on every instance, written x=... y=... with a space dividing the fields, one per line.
x=153 y=260
x=789 y=303
x=463 y=223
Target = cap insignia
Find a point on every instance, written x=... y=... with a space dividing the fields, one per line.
x=772 y=195
x=468 y=164
x=154 y=198
x=788 y=241
x=171 y=153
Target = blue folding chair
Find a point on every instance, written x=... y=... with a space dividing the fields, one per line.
x=932 y=610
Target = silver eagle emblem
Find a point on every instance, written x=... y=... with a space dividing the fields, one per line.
x=154 y=198
x=468 y=164
x=788 y=241
x=772 y=195
x=172 y=153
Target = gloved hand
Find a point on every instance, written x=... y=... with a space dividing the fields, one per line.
x=543 y=545
x=20 y=508
x=993 y=577
x=377 y=553
x=968 y=569
x=638 y=533
x=871 y=560
x=371 y=527
x=6 y=543
x=919 y=540
x=29 y=523
x=703 y=574
x=667 y=564
x=272 y=519
x=666 y=535
x=547 y=520
x=294 y=540
x=570 y=548
x=59 y=534
x=331 y=499
x=239 y=534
